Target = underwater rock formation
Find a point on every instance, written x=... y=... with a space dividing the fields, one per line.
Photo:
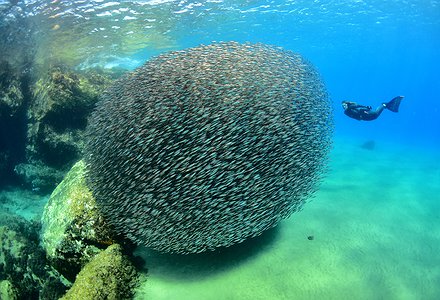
x=11 y=94
x=207 y=147
x=42 y=121
x=109 y=275
x=7 y=291
x=73 y=231
x=57 y=115
x=63 y=98
x=12 y=115
x=24 y=270
x=38 y=176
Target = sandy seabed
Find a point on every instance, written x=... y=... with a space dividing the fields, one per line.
x=375 y=224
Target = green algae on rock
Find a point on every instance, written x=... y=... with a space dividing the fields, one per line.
x=11 y=94
x=24 y=269
x=109 y=275
x=60 y=102
x=73 y=231
x=7 y=291
x=64 y=98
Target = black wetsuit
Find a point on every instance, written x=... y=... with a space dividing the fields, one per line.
x=362 y=112
x=366 y=113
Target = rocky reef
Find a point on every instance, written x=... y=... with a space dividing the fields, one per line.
x=73 y=230
x=42 y=121
x=11 y=94
x=109 y=275
x=43 y=115
x=25 y=272
x=12 y=119
x=72 y=244
x=80 y=244
x=57 y=115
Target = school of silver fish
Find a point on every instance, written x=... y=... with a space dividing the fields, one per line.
x=209 y=146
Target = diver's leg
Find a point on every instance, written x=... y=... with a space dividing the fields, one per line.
x=369 y=114
x=380 y=109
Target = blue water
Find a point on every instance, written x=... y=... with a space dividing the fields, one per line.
x=367 y=51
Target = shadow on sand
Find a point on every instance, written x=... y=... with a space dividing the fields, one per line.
x=195 y=266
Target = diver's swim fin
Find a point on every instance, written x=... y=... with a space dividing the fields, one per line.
x=393 y=105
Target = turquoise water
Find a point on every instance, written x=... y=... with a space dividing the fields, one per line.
x=375 y=221
x=376 y=236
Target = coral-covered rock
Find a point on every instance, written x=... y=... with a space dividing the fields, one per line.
x=109 y=275
x=73 y=230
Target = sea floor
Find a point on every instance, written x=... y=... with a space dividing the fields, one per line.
x=375 y=224
x=22 y=202
x=371 y=232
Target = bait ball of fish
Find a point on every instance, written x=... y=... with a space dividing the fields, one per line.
x=209 y=146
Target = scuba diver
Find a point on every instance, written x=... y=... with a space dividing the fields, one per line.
x=365 y=113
